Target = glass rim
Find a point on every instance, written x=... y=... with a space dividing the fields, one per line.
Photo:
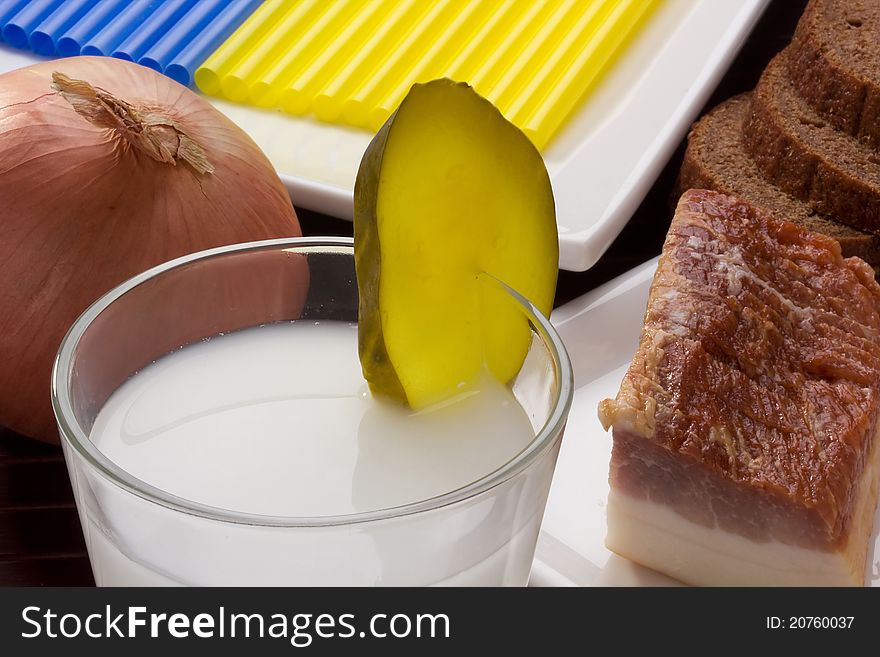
x=75 y=437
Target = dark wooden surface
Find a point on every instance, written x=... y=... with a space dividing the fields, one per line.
x=40 y=539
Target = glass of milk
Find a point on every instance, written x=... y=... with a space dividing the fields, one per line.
x=218 y=431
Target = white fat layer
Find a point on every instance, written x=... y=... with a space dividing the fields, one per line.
x=655 y=536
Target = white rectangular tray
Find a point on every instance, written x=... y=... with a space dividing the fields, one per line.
x=603 y=161
x=601 y=332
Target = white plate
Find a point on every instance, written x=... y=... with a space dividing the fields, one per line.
x=601 y=332
x=602 y=163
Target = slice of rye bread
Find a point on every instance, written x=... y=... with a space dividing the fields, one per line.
x=716 y=159
x=834 y=62
x=807 y=157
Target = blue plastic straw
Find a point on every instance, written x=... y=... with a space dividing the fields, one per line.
x=44 y=38
x=115 y=32
x=8 y=9
x=160 y=55
x=151 y=30
x=19 y=27
x=71 y=42
x=185 y=63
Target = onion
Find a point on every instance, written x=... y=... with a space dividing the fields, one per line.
x=108 y=168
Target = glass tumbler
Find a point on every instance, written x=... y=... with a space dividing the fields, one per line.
x=482 y=533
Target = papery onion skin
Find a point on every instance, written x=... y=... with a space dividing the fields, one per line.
x=82 y=210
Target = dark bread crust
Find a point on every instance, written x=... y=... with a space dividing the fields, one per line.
x=834 y=62
x=797 y=150
x=716 y=159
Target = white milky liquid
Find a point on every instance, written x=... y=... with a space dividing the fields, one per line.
x=278 y=421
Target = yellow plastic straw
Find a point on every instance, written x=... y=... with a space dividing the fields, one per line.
x=274 y=44
x=468 y=61
x=437 y=60
x=508 y=45
x=419 y=56
x=297 y=97
x=550 y=109
x=328 y=102
x=400 y=62
x=352 y=61
x=302 y=50
x=540 y=45
x=548 y=69
x=209 y=75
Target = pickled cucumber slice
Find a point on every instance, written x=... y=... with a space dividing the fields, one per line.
x=449 y=195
